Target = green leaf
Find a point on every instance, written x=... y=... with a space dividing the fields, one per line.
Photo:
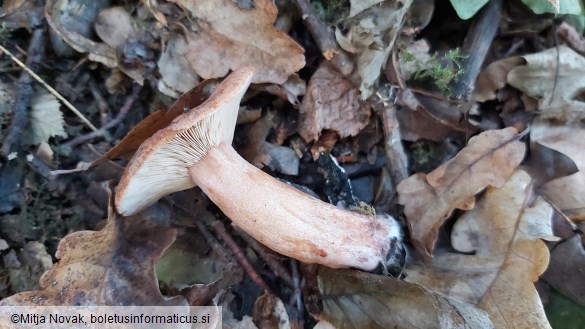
x=573 y=7
x=467 y=8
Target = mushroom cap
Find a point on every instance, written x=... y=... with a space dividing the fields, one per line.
x=160 y=166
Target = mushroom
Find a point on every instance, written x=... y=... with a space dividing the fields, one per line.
x=195 y=150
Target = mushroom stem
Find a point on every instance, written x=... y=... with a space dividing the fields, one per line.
x=289 y=221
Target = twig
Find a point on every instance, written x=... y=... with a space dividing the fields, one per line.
x=104 y=130
x=397 y=160
x=239 y=255
x=49 y=88
x=277 y=268
x=476 y=45
x=25 y=91
x=320 y=32
x=297 y=294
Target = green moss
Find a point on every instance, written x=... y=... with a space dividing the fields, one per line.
x=331 y=11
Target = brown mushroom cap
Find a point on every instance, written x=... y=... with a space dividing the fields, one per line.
x=160 y=166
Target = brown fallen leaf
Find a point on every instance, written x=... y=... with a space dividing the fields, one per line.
x=261 y=153
x=554 y=76
x=489 y=159
x=332 y=102
x=568 y=192
x=148 y=126
x=111 y=267
x=353 y=299
x=369 y=33
x=177 y=75
x=226 y=37
x=504 y=233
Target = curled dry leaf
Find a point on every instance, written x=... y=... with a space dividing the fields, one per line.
x=555 y=77
x=370 y=35
x=177 y=75
x=114 y=266
x=262 y=153
x=489 y=159
x=504 y=233
x=97 y=52
x=568 y=192
x=332 y=102
x=227 y=37
x=354 y=299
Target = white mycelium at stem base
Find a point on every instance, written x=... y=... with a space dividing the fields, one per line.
x=195 y=149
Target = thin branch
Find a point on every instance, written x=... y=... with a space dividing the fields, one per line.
x=239 y=255
x=25 y=91
x=114 y=122
x=49 y=88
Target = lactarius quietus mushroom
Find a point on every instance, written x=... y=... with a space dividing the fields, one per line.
x=195 y=150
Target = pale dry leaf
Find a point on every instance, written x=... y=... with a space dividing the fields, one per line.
x=504 y=233
x=357 y=6
x=97 y=52
x=568 y=192
x=353 y=299
x=489 y=159
x=33 y=260
x=114 y=26
x=370 y=36
x=332 y=102
x=226 y=37
x=262 y=153
x=177 y=75
x=45 y=119
x=557 y=78
x=493 y=78
x=114 y=266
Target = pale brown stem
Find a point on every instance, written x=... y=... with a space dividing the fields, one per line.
x=289 y=221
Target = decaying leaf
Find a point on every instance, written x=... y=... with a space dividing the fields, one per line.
x=269 y=312
x=177 y=75
x=262 y=153
x=112 y=20
x=226 y=37
x=114 y=266
x=149 y=125
x=568 y=192
x=353 y=299
x=45 y=119
x=555 y=76
x=504 y=233
x=29 y=264
x=489 y=159
x=331 y=102
x=98 y=52
x=370 y=34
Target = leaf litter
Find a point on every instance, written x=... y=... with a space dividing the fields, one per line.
x=475 y=220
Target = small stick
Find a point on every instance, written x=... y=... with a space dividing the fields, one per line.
x=219 y=229
x=397 y=160
x=49 y=88
x=320 y=32
x=104 y=129
x=297 y=295
x=25 y=91
x=277 y=268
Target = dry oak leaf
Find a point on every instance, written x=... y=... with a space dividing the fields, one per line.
x=353 y=299
x=505 y=256
x=227 y=37
x=111 y=267
x=489 y=159
x=555 y=77
x=332 y=102
x=566 y=193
